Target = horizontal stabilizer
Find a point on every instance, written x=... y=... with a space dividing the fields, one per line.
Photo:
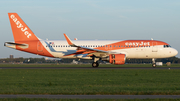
x=12 y=43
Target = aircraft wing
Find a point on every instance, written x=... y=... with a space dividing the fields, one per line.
x=85 y=49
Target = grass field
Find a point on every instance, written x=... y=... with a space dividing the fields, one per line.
x=89 y=81
x=83 y=65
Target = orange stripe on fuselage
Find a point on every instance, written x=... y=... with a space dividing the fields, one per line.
x=130 y=44
x=127 y=44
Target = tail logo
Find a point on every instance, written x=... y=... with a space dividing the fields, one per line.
x=19 y=25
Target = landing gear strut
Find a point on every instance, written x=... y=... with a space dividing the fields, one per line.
x=153 y=63
x=95 y=63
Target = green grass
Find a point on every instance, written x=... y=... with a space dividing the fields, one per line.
x=82 y=65
x=43 y=99
x=89 y=81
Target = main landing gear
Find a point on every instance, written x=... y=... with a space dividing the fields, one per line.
x=153 y=63
x=95 y=64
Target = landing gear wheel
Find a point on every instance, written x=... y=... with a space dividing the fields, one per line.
x=153 y=62
x=154 y=65
x=95 y=64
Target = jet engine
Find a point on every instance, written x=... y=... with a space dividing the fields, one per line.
x=118 y=59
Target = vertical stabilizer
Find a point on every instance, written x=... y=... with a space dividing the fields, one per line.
x=20 y=30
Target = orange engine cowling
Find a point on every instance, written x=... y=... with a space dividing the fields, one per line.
x=118 y=59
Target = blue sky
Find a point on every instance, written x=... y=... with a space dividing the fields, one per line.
x=93 y=19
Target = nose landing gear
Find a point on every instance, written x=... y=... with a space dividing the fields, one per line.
x=153 y=63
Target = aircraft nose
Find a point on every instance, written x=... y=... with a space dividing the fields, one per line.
x=174 y=52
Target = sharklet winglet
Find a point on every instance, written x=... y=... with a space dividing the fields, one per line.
x=69 y=41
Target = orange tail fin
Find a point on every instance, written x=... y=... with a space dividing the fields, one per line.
x=21 y=31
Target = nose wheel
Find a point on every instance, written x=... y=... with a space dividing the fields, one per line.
x=154 y=65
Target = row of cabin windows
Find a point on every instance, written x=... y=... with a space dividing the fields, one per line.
x=93 y=46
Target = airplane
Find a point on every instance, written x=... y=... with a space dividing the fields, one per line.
x=114 y=51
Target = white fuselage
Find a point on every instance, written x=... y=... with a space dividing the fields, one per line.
x=61 y=48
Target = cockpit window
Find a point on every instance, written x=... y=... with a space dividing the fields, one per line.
x=166 y=46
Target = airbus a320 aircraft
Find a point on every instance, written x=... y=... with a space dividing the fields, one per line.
x=113 y=51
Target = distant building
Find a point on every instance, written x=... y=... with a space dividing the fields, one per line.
x=11 y=56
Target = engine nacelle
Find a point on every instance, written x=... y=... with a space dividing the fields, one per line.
x=118 y=59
